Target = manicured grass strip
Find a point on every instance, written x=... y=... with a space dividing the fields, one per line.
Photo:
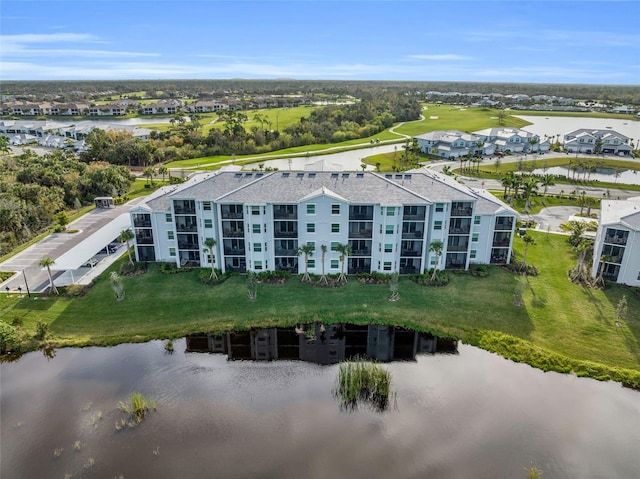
x=558 y=316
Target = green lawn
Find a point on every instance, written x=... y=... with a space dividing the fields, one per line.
x=558 y=317
x=457 y=118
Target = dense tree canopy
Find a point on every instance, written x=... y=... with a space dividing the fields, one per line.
x=34 y=189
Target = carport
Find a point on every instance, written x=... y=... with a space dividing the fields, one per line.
x=73 y=260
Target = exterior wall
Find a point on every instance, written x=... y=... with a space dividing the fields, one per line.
x=482 y=246
x=628 y=269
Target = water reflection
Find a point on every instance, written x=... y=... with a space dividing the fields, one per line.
x=323 y=344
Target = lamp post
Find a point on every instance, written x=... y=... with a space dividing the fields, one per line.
x=26 y=284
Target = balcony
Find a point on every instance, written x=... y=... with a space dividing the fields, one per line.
x=413 y=213
x=361 y=213
x=458 y=247
x=360 y=233
x=184 y=210
x=412 y=234
x=459 y=208
x=285 y=212
x=231 y=251
x=504 y=224
x=144 y=239
x=231 y=212
x=182 y=228
x=285 y=234
x=185 y=245
x=410 y=252
x=361 y=252
x=461 y=230
x=616 y=240
x=286 y=252
x=233 y=233
x=141 y=223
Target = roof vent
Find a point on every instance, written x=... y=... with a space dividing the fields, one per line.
x=334 y=175
x=285 y=174
x=312 y=175
x=299 y=175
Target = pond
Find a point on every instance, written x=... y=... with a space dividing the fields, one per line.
x=466 y=415
x=609 y=175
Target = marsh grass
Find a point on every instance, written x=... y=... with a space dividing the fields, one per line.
x=136 y=408
x=361 y=382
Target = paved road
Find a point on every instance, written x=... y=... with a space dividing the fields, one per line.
x=26 y=265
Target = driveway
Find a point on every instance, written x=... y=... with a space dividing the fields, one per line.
x=549 y=219
x=25 y=263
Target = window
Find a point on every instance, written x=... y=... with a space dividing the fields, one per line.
x=312 y=263
x=391 y=211
x=335 y=227
x=311 y=209
x=257 y=247
x=388 y=248
x=335 y=264
x=439 y=207
x=434 y=261
x=311 y=227
x=476 y=220
x=387 y=265
x=312 y=244
x=389 y=229
x=256 y=228
x=255 y=210
x=206 y=205
x=475 y=236
x=335 y=209
x=638 y=275
x=208 y=223
x=437 y=225
x=167 y=217
x=334 y=245
x=172 y=251
x=473 y=253
x=170 y=235
x=257 y=265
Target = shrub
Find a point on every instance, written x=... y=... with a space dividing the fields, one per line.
x=517 y=267
x=204 y=276
x=441 y=278
x=74 y=290
x=134 y=269
x=9 y=337
x=42 y=329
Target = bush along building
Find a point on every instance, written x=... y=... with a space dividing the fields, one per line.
x=260 y=219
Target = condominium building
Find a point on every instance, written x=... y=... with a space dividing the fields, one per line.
x=617 y=245
x=260 y=219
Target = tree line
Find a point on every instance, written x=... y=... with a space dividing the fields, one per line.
x=376 y=112
x=34 y=189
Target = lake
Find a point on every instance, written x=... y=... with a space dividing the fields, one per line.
x=609 y=175
x=466 y=415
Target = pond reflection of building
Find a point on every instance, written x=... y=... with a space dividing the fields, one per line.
x=323 y=344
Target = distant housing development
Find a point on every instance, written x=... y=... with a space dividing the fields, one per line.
x=259 y=219
x=454 y=143
x=617 y=245
x=60 y=134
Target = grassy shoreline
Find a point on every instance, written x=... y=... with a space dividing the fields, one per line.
x=561 y=326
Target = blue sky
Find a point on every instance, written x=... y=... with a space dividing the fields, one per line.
x=488 y=41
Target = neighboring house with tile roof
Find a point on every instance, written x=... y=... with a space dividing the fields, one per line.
x=618 y=242
x=259 y=219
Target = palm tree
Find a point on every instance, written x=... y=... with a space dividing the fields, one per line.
x=47 y=263
x=436 y=248
x=210 y=244
x=148 y=173
x=345 y=251
x=307 y=251
x=528 y=241
x=4 y=145
x=323 y=278
x=547 y=181
x=163 y=170
x=529 y=186
x=126 y=236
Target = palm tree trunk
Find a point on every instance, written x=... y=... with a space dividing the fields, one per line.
x=52 y=286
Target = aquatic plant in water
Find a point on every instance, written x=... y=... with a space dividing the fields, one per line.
x=363 y=382
x=137 y=408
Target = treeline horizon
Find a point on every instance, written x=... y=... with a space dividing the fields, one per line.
x=83 y=89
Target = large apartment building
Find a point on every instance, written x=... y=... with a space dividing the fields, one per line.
x=617 y=244
x=259 y=219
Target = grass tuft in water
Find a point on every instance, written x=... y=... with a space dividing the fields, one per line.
x=137 y=408
x=363 y=382
x=58 y=452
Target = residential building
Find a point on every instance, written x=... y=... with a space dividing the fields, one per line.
x=259 y=219
x=618 y=242
x=592 y=141
x=168 y=107
x=206 y=106
x=454 y=144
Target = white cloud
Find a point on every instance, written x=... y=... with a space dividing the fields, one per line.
x=47 y=38
x=441 y=57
